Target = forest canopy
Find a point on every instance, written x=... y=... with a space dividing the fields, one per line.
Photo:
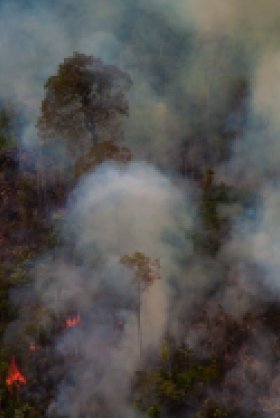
x=139 y=206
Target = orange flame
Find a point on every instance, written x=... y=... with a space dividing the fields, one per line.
x=72 y=321
x=14 y=376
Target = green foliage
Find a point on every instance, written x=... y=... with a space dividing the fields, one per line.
x=177 y=378
x=7 y=310
x=211 y=409
x=83 y=100
x=19 y=276
x=24 y=233
x=146 y=269
x=213 y=223
x=154 y=412
x=17 y=409
x=53 y=239
x=165 y=352
x=7 y=138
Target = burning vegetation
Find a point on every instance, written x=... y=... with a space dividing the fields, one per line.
x=72 y=321
x=139 y=228
x=14 y=378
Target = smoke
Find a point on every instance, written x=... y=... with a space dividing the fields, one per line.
x=205 y=79
x=182 y=59
x=182 y=78
x=113 y=211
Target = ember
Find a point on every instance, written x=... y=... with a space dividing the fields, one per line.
x=33 y=347
x=72 y=321
x=14 y=376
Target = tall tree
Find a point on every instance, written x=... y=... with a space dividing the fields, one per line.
x=146 y=271
x=81 y=119
x=84 y=103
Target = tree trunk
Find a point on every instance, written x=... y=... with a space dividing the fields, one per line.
x=139 y=319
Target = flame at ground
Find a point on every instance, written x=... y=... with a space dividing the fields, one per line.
x=72 y=321
x=14 y=376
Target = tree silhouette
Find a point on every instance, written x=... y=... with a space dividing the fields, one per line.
x=84 y=103
x=146 y=272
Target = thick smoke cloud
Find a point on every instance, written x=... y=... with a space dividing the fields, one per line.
x=113 y=211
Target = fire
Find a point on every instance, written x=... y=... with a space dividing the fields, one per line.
x=14 y=376
x=33 y=347
x=72 y=321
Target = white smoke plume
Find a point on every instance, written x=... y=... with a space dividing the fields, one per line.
x=114 y=211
